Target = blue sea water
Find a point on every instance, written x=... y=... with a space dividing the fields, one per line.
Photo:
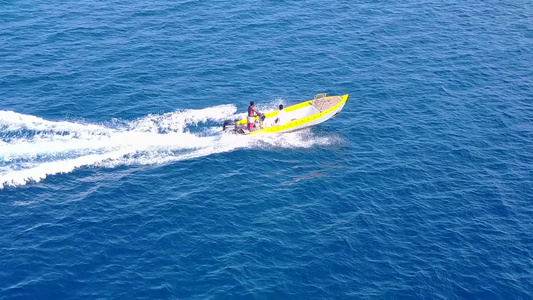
x=117 y=183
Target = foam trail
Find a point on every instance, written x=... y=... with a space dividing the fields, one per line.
x=12 y=121
x=32 y=148
x=40 y=172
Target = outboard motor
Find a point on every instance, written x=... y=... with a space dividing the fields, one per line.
x=228 y=124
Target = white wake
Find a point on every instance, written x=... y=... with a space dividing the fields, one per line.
x=32 y=148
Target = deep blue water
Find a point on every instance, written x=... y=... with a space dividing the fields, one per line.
x=116 y=182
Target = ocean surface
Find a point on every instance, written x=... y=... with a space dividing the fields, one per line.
x=116 y=181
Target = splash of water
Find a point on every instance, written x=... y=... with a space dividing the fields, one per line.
x=32 y=148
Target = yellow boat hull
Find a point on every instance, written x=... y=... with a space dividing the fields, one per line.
x=302 y=115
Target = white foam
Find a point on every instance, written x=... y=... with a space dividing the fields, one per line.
x=61 y=147
x=177 y=121
x=21 y=177
x=12 y=121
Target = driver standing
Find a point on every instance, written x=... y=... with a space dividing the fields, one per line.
x=252 y=112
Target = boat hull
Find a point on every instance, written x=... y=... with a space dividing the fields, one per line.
x=303 y=115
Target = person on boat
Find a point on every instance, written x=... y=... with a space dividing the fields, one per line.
x=252 y=113
x=280 y=120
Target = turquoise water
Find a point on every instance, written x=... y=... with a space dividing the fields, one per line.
x=116 y=181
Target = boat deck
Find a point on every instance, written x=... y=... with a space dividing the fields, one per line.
x=324 y=104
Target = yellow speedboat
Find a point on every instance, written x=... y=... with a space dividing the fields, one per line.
x=296 y=117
